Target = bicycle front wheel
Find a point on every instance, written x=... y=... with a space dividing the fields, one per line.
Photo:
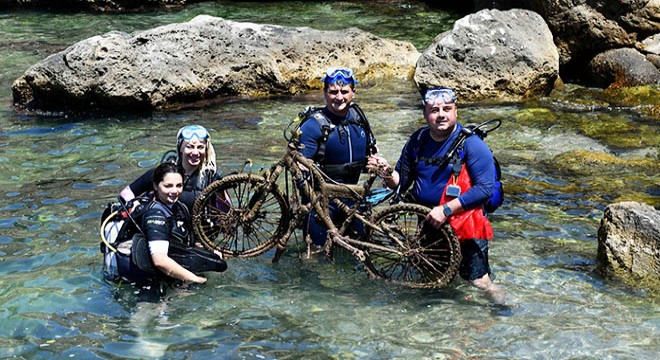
x=411 y=252
x=240 y=216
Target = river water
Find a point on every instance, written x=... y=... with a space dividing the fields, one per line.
x=58 y=172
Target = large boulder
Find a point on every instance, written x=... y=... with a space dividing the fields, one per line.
x=623 y=67
x=629 y=240
x=204 y=58
x=507 y=55
x=582 y=29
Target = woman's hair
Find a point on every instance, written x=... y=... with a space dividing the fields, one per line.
x=164 y=169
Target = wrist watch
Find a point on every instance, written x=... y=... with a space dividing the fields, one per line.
x=446 y=210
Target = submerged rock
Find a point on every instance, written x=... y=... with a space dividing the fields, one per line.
x=589 y=162
x=204 y=58
x=623 y=67
x=629 y=240
x=507 y=55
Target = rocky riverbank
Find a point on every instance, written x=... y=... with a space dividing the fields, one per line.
x=489 y=55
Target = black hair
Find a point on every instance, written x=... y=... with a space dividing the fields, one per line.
x=164 y=169
x=326 y=84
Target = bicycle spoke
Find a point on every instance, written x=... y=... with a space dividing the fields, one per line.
x=409 y=252
x=245 y=220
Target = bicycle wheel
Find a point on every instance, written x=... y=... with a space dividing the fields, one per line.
x=239 y=216
x=411 y=252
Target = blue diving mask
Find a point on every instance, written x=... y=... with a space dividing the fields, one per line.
x=332 y=75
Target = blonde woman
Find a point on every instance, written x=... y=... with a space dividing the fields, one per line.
x=195 y=154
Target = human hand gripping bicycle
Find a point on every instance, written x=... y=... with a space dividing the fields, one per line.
x=245 y=215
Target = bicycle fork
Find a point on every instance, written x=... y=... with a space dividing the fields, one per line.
x=353 y=213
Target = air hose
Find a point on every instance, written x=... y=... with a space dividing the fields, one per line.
x=103 y=224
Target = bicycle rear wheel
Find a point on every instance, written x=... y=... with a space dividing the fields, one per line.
x=239 y=216
x=416 y=254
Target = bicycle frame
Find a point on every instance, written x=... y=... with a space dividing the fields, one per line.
x=248 y=214
x=319 y=189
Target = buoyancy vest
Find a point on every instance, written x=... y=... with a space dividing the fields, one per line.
x=472 y=223
x=174 y=221
x=124 y=245
x=173 y=224
x=453 y=157
x=136 y=265
x=347 y=171
x=194 y=184
x=127 y=221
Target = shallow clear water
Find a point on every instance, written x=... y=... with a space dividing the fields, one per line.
x=57 y=173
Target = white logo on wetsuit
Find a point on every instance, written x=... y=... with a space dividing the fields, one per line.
x=155 y=221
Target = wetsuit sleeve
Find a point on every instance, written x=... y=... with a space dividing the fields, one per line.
x=156 y=227
x=311 y=134
x=479 y=161
x=142 y=184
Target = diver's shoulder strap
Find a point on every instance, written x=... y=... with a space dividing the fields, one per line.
x=364 y=122
x=414 y=144
x=326 y=127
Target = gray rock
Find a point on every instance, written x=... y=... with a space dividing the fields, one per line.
x=640 y=17
x=204 y=58
x=492 y=54
x=582 y=29
x=629 y=240
x=654 y=59
x=623 y=67
x=651 y=45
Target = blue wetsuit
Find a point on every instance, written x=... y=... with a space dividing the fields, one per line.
x=343 y=160
x=346 y=145
x=428 y=181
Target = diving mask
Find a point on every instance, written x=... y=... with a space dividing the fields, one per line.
x=444 y=94
x=190 y=131
x=332 y=75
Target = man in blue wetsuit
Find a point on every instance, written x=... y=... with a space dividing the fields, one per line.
x=338 y=138
x=440 y=188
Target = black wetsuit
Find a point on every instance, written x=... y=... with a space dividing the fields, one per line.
x=191 y=186
x=158 y=222
x=171 y=223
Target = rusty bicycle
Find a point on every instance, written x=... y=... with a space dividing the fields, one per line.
x=245 y=215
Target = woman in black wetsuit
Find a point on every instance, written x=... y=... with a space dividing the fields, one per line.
x=195 y=154
x=166 y=223
x=157 y=232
